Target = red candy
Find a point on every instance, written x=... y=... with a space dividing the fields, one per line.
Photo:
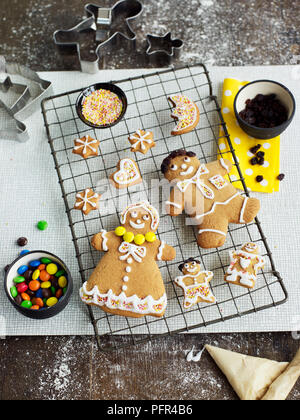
x=22 y=287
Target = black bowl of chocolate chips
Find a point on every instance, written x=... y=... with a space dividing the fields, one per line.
x=264 y=108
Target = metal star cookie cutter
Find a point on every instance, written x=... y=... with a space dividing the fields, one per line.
x=102 y=25
x=31 y=90
x=162 y=49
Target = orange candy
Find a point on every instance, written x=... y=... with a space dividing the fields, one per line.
x=44 y=276
x=25 y=296
x=35 y=307
x=34 y=285
x=59 y=293
x=38 y=302
x=42 y=267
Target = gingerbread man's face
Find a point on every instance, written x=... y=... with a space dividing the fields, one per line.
x=182 y=167
x=250 y=247
x=191 y=268
x=138 y=220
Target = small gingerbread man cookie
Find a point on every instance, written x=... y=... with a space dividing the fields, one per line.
x=244 y=265
x=141 y=141
x=186 y=113
x=127 y=174
x=86 y=147
x=195 y=283
x=86 y=201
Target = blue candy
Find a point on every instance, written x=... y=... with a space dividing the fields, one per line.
x=24 y=252
x=39 y=293
x=35 y=263
x=22 y=269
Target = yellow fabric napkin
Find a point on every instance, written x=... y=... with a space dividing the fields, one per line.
x=241 y=143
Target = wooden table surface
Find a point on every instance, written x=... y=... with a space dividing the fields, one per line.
x=223 y=32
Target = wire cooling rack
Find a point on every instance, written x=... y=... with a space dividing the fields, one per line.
x=149 y=109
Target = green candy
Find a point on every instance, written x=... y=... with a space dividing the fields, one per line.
x=46 y=261
x=26 y=304
x=64 y=290
x=19 y=279
x=13 y=291
x=60 y=273
x=53 y=290
x=42 y=225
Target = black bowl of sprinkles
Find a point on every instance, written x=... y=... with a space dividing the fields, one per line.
x=101 y=105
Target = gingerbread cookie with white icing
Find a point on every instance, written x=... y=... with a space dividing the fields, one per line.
x=87 y=201
x=186 y=113
x=206 y=196
x=127 y=280
x=86 y=147
x=195 y=283
x=127 y=174
x=244 y=265
x=141 y=141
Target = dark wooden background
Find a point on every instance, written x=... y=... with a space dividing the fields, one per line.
x=223 y=32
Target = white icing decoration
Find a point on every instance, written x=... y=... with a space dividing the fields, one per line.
x=121 y=177
x=184 y=111
x=105 y=239
x=85 y=144
x=243 y=210
x=196 y=179
x=216 y=204
x=136 y=226
x=218 y=181
x=190 y=296
x=160 y=250
x=86 y=200
x=191 y=358
x=126 y=278
x=148 y=208
x=211 y=230
x=137 y=252
x=245 y=262
x=170 y=203
x=128 y=269
x=141 y=139
x=145 y=306
x=129 y=261
x=245 y=278
x=222 y=162
x=124 y=288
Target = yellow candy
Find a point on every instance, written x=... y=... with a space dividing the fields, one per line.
x=150 y=237
x=139 y=239
x=36 y=274
x=128 y=237
x=62 y=281
x=120 y=231
x=52 y=301
x=51 y=269
x=45 y=284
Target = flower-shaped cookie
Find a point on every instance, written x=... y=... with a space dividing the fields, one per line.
x=86 y=147
x=86 y=201
x=141 y=141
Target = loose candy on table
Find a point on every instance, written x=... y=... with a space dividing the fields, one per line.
x=42 y=225
x=24 y=252
x=22 y=241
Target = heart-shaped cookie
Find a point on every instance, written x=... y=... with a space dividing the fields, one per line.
x=128 y=174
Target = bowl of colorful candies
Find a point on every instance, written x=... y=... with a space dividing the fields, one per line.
x=38 y=284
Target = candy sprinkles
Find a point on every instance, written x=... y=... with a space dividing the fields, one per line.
x=102 y=107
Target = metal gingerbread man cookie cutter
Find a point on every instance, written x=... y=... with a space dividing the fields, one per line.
x=162 y=49
x=101 y=26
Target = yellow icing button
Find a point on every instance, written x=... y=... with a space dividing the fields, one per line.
x=120 y=231
x=139 y=239
x=128 y=237
x=150 y=237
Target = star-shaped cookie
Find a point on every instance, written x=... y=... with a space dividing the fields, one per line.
x=86 y=201
x=86 y=147
x=141 y=141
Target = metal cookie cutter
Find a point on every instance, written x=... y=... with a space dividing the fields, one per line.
x=162 y=49
x=103 y=28
x=30 y=89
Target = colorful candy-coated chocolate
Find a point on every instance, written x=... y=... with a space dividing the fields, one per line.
x=47 y=293
x=42 y=267
x=35 y=263
x=26 y=304
x=52 y=269
x=45 y=260
x=53 y=290
x=24 y=252
x=37 y=301
x=36 y=274
x=22 y=269
x=65 y=290
x=34 y=285
x=44 y=276
x=60 y=273
x=52 y=301
x=18 y=299
x=42 y=225
x=35 y=307
x=14 y=291
x=19 y=279
x=25 y=296
x=59 y=293
x=22 y=287
x=62 y=282
x=28 y=274
x=45 y=284
x=39 y=293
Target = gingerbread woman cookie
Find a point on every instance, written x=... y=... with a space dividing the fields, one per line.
x=86 y=147
x=86 y=201
x=141 y=141
x=186 y=113
x=127 y=280
x=194 y=283
x=206 y=196
x=127 y=174
x=244 y=265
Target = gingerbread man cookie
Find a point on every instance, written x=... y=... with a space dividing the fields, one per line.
x=141 y=141
x=186 y=113
x=86 y=147
x=244 y=265
x=127 y=174
x=194 y=283
x=127 y=280
x=206 y=196
x=86 y=201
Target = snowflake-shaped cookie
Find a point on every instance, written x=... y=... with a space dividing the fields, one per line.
x=141 y=141
x=86 y=201
x=86 y=147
